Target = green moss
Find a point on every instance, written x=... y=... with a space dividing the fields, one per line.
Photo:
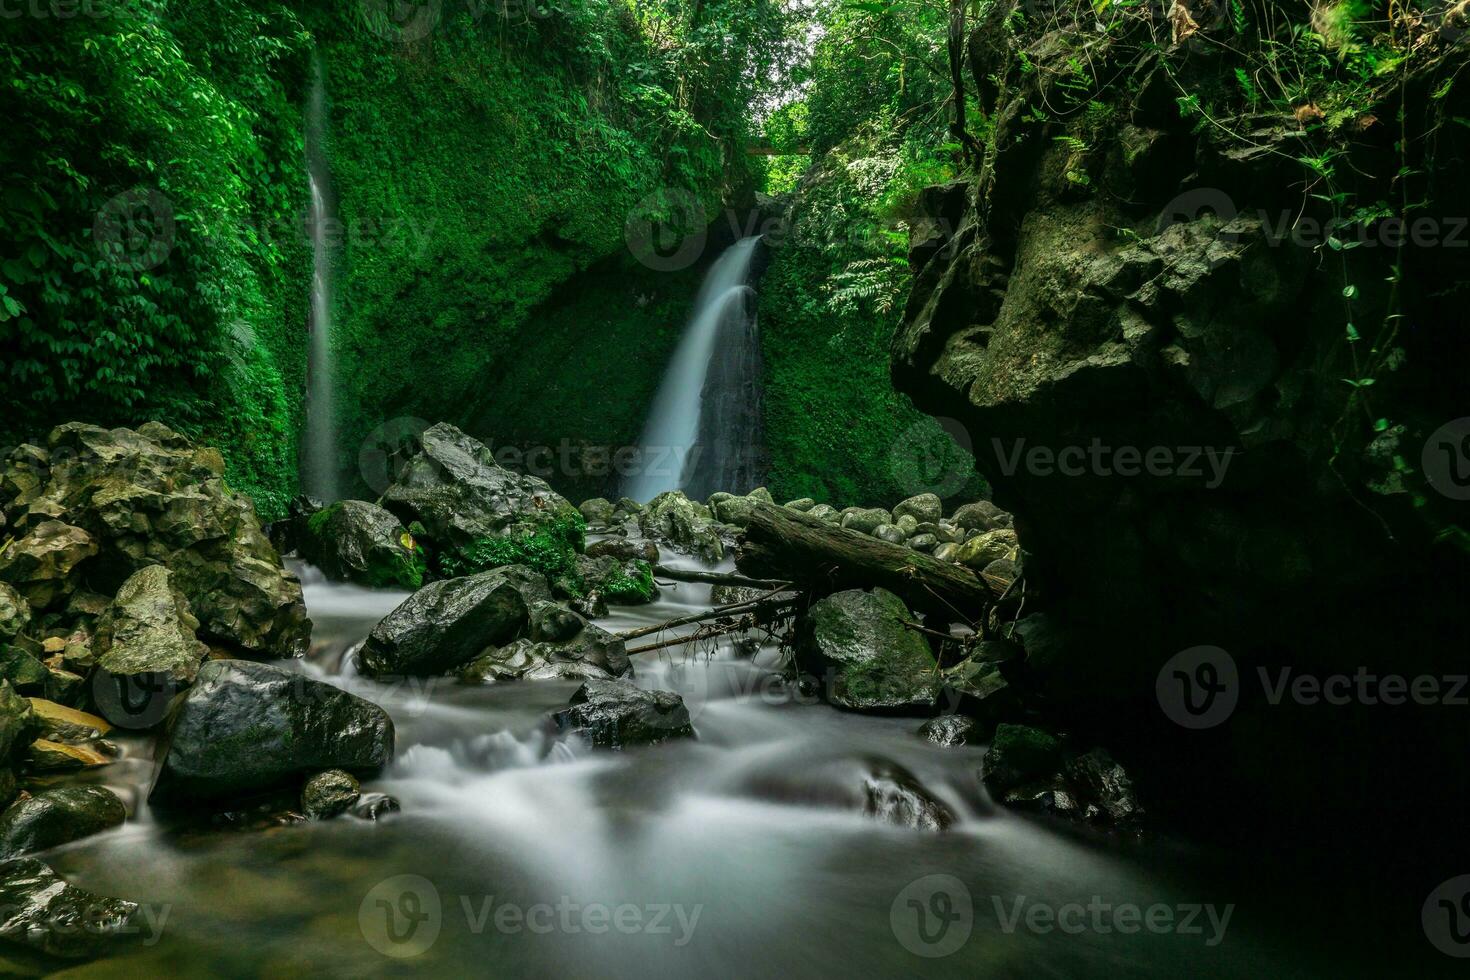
x=631 y=589
x=551 y=548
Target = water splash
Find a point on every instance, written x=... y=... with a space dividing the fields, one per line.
x=702 y=432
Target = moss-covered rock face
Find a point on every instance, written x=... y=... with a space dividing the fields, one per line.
x=478 y=515
x=1020 y=754
x=684 y=525
x=356 y=541
x=864 y=658
x=101 y=504
x=149 y=630
x=57 y=816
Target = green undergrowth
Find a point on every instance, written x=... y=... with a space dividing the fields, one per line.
x=551 y=548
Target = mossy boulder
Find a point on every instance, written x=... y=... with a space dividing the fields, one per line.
x=921 y=507
x=246 y=728
x=626 y=583
x=982 y=515
x=1020 y=754
x=149 y=630
x=53 y=817
x=988 y=547
x=598 y=510
x=17 y=719
x=865 y=520
x=23 y=670
x=329 y=793
x=445 y=624
x=683 y=525
x=865 y=659
x=355 y=541
x=104 y=503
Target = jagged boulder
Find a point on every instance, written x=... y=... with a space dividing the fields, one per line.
x=626 y=583
x=864 y=657
x=15 y=613
x=53 y=817
x=244 y=728
x=593 y=653
x=894 y=796
x=615 y=714
x=445 y=624
x=476 y=514
x=355 y=541
x=149 y=630
x=104 y=503
x=40 y=911
x=17 y=719
x=948 y=730
x=679 y=522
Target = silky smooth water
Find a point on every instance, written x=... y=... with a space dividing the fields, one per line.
x=320 y=449
x=671 y=449
x=744 y=853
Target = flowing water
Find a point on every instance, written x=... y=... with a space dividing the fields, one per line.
x=319 y=449
x=744 y=853
x=698 y=432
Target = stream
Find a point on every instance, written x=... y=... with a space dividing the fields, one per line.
x=744 y=853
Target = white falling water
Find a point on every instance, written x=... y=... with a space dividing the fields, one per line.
x=670 y=440
x=320 y=450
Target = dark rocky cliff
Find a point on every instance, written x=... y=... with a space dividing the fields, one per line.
x=1134 y=279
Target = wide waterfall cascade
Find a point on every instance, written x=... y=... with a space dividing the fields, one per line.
x=702 y=432
x=320 y=449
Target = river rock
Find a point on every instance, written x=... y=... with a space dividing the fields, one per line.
x=676 y=520
x=17 y=720
x=375 y=806
x=445 y=624
x=906 y=523
x=246 y=727
x=623 y=549
x=895 y=797
x=988 y=547
x=150 y=497
x=44 y=566
x=1003 y=572
x=149 y=630
x=23 y=670
x=624 y=583
x=865 y=520
x=355 y=541
x=982 y=515
x=803 y=504
x=1099 y=780
x=890 y=533
x=42 y=912
x=53 y=817
x=551 y=622
x=46 y=756
x=329 y=793
x=944 y=552
x=922 y=507
x=1019 y=754
x=591 y=653
x=598 y=510
x=980 y=689
x=826 y=512
x=615 y=714
x=924 y=542
x=948 y=730
x=15 y=613
x=59 y=723
x=856 y=644
x=467 y=503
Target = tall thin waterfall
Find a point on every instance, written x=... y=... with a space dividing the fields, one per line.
x=320 y=451
x=703 y=431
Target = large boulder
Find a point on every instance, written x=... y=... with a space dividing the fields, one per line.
x=865 y=519
x=53 y=817
x=445 y=624
x=127 y=499
x=679 y=522
x=40 y=911
x=355 y=541
x=17 y=719
x=924 y=507
x=991 y=546
x=44 y=566
x=149 y=630
x=593 y=653
x=478 y=515
x=245 y=728
x=626 y=583
x=615 y=714
x=864 y=657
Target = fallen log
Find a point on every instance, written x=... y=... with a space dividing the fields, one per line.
x=773 y=601
x=810 y=553
x=713 y=578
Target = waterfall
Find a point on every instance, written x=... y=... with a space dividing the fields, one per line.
x=320 y=451
x=703 y=431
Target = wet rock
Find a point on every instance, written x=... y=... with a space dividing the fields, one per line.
x=980 y=689
x=1003 y=572
x=591 y=653
x=906 y=523
x=53 y=817
x=615 y=714
x=948 y=730
x=355 y=541
x=1099 y=780
x=24 y=672
x=627 y=507
x=245 y=728
x=598 y=511
x=1019 y=754
x=591 y=606
x=329 y=793
x=552 y=622
x=890 y=533
x=445 y=624
x=45 y=756
x=17 y=719
x=623 y=549
x=924 y=542
x=865 y=520
x=44 y=566
x=42 y=912
x=735 y=509
x=623 y=583
x=149 y=630
x=923 y=507
x=802 y=504
x=826 y=512
x=943 y=533
x=467 y=502
x=944 y=552
x=676 y=520
x=150 y=497
x=15 y=613
x=982 y=515
x=374 y=806
x=864 y=657
x=59 y=723
x=894 y=796
x=988 y=547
